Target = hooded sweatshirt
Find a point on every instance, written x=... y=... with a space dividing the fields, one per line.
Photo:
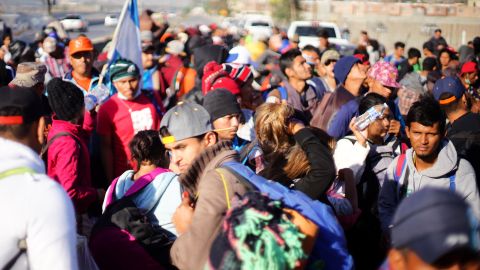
x=37 y=209
x=438 y=175
x=69 y=162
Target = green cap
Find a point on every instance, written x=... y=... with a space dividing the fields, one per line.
x=123 y=68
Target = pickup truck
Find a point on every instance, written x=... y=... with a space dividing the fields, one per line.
x=307 y=34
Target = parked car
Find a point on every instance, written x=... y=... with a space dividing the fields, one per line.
x=111 y=20
x=307 y=32
x=259 y=26
x=74 y=23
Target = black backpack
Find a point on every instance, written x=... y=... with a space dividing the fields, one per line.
x=124 y=215
x=467 y=144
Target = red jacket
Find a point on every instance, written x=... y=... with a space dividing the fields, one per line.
x=168 y=70
x=69 y=162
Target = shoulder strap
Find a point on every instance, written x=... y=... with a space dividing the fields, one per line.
x=314 y=84
x=452 y=182
x=22 y=248
x=452 y=176
x=178 y=79
x=324 y=110
x=22 y=243
x=109 y=196
x=353 y=140
x=50 y=142
x=15 y=171
x=401 y=163
x=138 y=185
x=151 y=96
x=247 y=151
x=283 y=93
x=225 y=188
x=144 y=181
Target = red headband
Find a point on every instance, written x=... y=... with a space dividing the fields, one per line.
x=11 y=120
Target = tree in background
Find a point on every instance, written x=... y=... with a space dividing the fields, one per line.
x=219 y=7
x=285 y=10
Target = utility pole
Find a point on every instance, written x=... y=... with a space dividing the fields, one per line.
x=49 y=6
x=293 y=10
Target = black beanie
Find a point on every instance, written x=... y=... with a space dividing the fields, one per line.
x=221 y=102
x=65 y=99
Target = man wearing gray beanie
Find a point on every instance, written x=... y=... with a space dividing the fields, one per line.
x=224 y=112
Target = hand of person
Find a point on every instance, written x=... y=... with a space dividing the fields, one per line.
x=182 y=218
x=295 y=125
x=394 y=127
x=360 y=135
x=93 y=112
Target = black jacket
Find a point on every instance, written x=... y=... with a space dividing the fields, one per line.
x=322 y=168
x=465 y=136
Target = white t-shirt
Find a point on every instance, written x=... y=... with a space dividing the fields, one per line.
x=37 y=209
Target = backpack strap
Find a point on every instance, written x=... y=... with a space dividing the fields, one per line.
x=225 y=188
x=351 y=139
x=109 y=196
x=22 y=248
x=247 y=151
x=451 y=176
x=178 y=79
x=401 y=163
x=22 y=243
x=144 y=181
x=314 y=84
x=403 y=147
x=283 y=93
x=151 y=96
x=44 y=151
x=15 y=171
x=452 y=182
x=137 y=186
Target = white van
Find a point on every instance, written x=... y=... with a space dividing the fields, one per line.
x=259 y=26
x=307 y=32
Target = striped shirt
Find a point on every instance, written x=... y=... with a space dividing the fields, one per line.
x=57 y=68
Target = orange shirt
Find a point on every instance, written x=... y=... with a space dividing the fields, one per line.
x=82 y=82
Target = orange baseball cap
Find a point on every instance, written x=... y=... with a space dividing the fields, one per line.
x=80 y=44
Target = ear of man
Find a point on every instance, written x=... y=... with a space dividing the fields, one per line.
x=210 y=139
x=396 y=260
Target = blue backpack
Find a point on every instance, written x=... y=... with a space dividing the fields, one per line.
x=330 y=247
x=401 y=169
x=284 y=93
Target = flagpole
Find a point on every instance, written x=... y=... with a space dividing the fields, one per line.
x=117 y=29
x=126 y=41
x=113 y=42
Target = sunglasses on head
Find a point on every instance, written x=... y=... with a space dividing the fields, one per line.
x=391 y=88
x=329 y=61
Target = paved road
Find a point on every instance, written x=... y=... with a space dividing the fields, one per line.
x=97 y=31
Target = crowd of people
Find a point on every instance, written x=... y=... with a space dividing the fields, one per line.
x=230 y=150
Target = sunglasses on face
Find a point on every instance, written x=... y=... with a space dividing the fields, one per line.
x=82 y=54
